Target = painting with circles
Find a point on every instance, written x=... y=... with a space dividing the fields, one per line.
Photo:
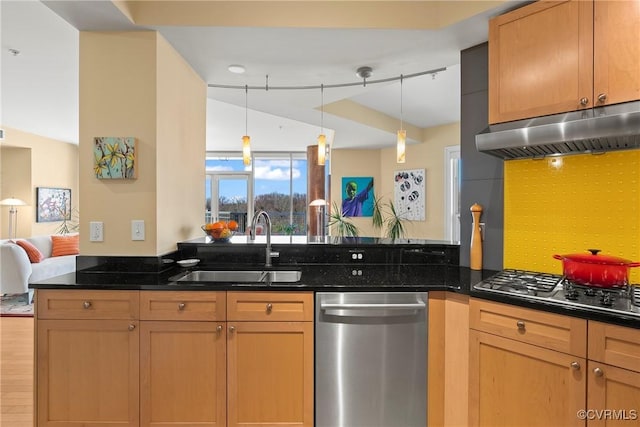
x=410 y=194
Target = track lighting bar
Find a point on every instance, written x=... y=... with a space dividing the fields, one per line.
x=365 y=82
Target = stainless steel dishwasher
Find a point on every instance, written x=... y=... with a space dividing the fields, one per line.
x=371 y=359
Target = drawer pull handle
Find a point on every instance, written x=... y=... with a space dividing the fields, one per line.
x=219 y=328
x=181 y=306
x=86 y=304
x=598 y=372
x=132 y=326
x=575 y=366
x=520 y=324
x=232 y=329
x=269 y=308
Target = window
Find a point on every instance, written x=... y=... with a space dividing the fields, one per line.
x=275 y=182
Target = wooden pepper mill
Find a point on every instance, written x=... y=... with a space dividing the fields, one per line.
x=475 y=259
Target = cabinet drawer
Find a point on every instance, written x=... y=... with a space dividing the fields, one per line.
x=270 y=306
x=87 y=304
x=182 y=305
x=614 y=345
x=548 y=330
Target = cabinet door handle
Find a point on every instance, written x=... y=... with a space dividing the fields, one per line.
x=602 y=98
x=181 y=306
x=584 y=101
x=131 y=326
x=598 y=372
x=86 y=305
x=232 y=329
x=269 y=308
x=575 y=366
x=219 y=328
x=520 y=324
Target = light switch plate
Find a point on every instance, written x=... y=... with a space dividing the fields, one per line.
x=96 y=231
x=137 y=229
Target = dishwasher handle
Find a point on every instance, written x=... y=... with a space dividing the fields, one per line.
x=383 y=306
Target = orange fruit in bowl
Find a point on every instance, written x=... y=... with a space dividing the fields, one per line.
x=219 y=225
x=232 y=225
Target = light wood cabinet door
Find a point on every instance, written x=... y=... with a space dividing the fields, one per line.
x=517 y=384
x=541 y=60
x=616 y=52
x=270 y=374
x=182 y=374
x=613 y=396
x=87 y=373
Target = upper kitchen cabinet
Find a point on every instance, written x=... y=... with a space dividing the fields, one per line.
x=557 y=56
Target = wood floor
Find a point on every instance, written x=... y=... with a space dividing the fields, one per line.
x=16 y=372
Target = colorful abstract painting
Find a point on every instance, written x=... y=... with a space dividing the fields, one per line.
x=409 y=191
x=114 y=157
x=54 y=204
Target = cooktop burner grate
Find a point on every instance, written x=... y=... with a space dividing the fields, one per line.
x=521 y=282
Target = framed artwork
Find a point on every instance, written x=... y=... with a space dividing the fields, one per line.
x=115 y=157
x=357 y=196
x=409 y=194
x=53 y=204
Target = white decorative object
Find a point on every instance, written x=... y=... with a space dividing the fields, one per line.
x=409 y=194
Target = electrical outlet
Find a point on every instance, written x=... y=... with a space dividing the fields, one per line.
x=96 y=231
x=137 y=229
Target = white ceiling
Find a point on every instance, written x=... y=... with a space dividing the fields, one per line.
x=40 y=85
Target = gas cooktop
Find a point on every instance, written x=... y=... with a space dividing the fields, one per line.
x=555 y=288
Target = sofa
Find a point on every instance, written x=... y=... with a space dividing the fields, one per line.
x=17 y=270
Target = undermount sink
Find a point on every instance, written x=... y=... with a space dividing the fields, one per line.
x=239 y=276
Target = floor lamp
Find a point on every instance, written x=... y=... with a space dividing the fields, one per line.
x=13 y=214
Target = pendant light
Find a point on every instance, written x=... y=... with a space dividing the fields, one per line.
x=402 y=134
x=246 y=139
x=322 y=139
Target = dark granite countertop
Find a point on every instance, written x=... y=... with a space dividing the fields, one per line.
x=342 y=265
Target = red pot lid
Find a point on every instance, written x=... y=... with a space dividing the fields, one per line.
x=594 y=258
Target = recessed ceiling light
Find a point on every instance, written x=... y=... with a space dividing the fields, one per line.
x=237 y=69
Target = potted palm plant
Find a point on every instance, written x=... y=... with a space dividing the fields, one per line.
x=342 y=226
x=385 y=216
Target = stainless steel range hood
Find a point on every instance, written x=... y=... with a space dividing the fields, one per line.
x=597 y=130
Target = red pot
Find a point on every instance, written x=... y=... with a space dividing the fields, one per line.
x=601 y=271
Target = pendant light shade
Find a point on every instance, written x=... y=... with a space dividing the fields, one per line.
x=400 y=146
x=246 y=150
x=401 y=138
x=322 y=138
x=322 y=149
x=246 y=139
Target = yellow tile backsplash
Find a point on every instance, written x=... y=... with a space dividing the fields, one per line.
x=566 y=205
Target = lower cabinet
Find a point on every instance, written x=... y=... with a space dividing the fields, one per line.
x=527 y=367
x=270 y=374
x=517 y=384
x=87 y=373
x=165 y=358
x=182 y=374
x=87 y=359
x=531 y=368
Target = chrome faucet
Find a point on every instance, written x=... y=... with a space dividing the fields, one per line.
x=252 y=235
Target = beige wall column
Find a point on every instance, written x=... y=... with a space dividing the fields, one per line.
x=134 y=84
x=315 y=190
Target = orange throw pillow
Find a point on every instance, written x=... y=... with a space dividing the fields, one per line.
x=34 y=254
x=65 y=245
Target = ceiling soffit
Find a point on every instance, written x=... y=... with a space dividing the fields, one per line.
x=305 y=14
